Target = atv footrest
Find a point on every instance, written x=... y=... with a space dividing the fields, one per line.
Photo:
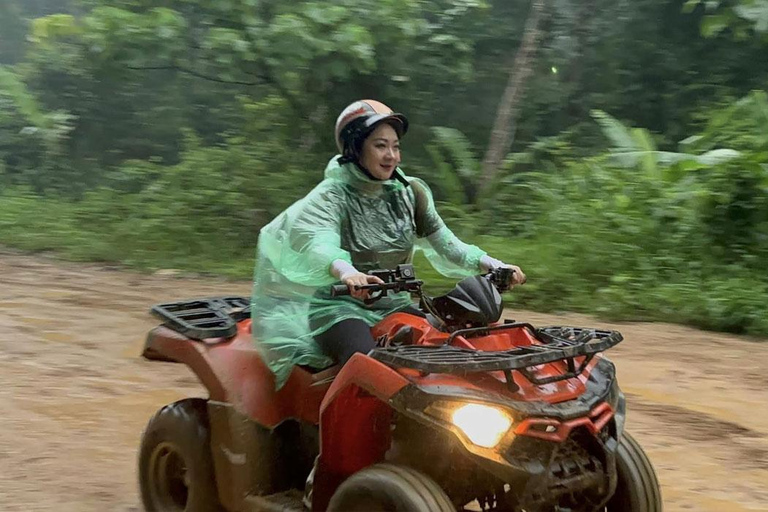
x=200 y=319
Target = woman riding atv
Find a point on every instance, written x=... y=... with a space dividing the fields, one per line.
x=365 y=215
x=505 y=416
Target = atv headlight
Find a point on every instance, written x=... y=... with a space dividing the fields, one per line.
x=482 y=424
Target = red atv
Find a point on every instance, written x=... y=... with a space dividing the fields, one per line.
x=453 y=411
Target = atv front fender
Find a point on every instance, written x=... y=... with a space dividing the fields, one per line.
x=355 y=419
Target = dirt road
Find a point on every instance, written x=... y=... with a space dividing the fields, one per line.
x=74 y=395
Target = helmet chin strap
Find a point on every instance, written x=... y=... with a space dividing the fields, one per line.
x=365 y=171
x=395 y=175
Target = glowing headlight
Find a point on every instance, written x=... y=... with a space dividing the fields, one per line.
x=482 y=424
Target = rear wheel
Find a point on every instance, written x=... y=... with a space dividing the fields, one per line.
x=637 y=489
x=175 y=464
x=390 y=488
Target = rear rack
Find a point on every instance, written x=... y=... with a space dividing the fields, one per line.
x=558 y=344
x=200 y=319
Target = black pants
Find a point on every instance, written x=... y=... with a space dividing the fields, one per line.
x=346 y=338
x=350 y=336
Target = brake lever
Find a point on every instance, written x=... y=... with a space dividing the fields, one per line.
x=373 y=297
x=385 y=288
x=379 y=290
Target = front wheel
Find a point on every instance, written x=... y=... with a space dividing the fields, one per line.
x=390 y=488
x=637 y=489
x=175 y=463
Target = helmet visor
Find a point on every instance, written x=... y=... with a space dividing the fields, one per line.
x=398 y=121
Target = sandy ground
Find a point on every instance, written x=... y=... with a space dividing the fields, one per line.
x=75 y=396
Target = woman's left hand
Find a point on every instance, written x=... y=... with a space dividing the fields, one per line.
x=488 y=263
x=518 y=277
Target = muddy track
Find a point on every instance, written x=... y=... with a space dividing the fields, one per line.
x=74 y=395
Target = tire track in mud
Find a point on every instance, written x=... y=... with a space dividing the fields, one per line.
x=75 y=396
x=705 y=427
x=739 y=445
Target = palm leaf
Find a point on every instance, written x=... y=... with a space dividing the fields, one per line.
x=447 y=181
x=616 y=132
x=457 y=150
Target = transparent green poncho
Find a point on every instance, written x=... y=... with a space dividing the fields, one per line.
x=370 y=224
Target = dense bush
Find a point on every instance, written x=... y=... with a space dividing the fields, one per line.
x=168 y=136
x=633 y=233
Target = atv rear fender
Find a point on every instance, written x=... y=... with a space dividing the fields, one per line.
x=163 y=344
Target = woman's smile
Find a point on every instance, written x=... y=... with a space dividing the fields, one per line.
x=381 y=152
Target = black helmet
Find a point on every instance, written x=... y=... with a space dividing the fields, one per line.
x=359 y=119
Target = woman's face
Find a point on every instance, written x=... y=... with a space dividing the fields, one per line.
x=381 y=152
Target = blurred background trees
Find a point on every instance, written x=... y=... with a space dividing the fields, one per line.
x=166 y=133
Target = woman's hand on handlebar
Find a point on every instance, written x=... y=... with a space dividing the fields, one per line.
x=359 y=279
x=518 y=277
x=488 y=264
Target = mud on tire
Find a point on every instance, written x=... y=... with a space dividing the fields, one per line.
x=175 y=464
x=638 y=487
x=392 y=488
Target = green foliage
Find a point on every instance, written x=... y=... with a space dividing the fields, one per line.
x=45 y=31
x=742 y=17
x=32 y=141
x=165 y=134
x=457 y=169
x=679 y=237
x=636 y=233
x=12 y=32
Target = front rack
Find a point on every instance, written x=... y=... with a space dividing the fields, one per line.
x=201 y=319
x=557 y=344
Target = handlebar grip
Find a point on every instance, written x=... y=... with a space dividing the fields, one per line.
x=339 y=289
x=502 y=278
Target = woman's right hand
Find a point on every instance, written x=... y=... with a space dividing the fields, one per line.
x=359 y=279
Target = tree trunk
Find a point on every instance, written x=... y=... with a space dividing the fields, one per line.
x=504 y=127
x=577 y=108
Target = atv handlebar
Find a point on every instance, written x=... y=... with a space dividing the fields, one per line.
x=338 y=290
x=403 y=279
x=342 y=289
x=501 y=277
